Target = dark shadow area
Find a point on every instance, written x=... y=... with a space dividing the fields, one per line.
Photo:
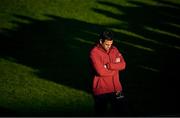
x=59 y=48
x=4 y=112
x=152 y=51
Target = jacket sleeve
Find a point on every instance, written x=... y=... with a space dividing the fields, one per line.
x=118 y=65
x=98 y=65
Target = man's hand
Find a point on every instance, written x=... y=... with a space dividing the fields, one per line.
x=118 y=92
x=119 y=95
x=118 y=60
x=105 y=66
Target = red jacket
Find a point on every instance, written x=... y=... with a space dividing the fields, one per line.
x=106 y=78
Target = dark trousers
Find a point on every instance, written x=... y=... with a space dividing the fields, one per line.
x=108 y=105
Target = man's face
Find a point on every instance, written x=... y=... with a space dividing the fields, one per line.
x=107 y=44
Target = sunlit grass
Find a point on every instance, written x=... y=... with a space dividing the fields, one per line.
x=149 y=68
x=85 y=41
x=163 y=32
x=136 y=46
x=175 y=25
x=22 y=91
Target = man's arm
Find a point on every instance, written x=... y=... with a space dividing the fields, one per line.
x=119 y=63
x=99 y=67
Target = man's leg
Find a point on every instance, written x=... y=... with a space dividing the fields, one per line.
x=119 y=105
x=100 y=104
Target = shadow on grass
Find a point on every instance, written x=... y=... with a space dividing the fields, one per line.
x=4 y=112
x=59 y=48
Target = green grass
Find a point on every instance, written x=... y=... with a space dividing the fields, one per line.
x=23 y=92
x=44 y=47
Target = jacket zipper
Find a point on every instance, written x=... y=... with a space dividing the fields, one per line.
x=112 y=76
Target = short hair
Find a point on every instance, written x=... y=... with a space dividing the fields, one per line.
x=106 y=35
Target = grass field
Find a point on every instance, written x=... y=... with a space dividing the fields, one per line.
x=44 y=48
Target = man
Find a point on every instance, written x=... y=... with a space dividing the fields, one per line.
x=106 y=61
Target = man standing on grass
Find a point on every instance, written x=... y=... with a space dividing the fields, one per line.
x=107 y=61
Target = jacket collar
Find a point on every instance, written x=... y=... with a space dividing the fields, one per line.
x=99 y=46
